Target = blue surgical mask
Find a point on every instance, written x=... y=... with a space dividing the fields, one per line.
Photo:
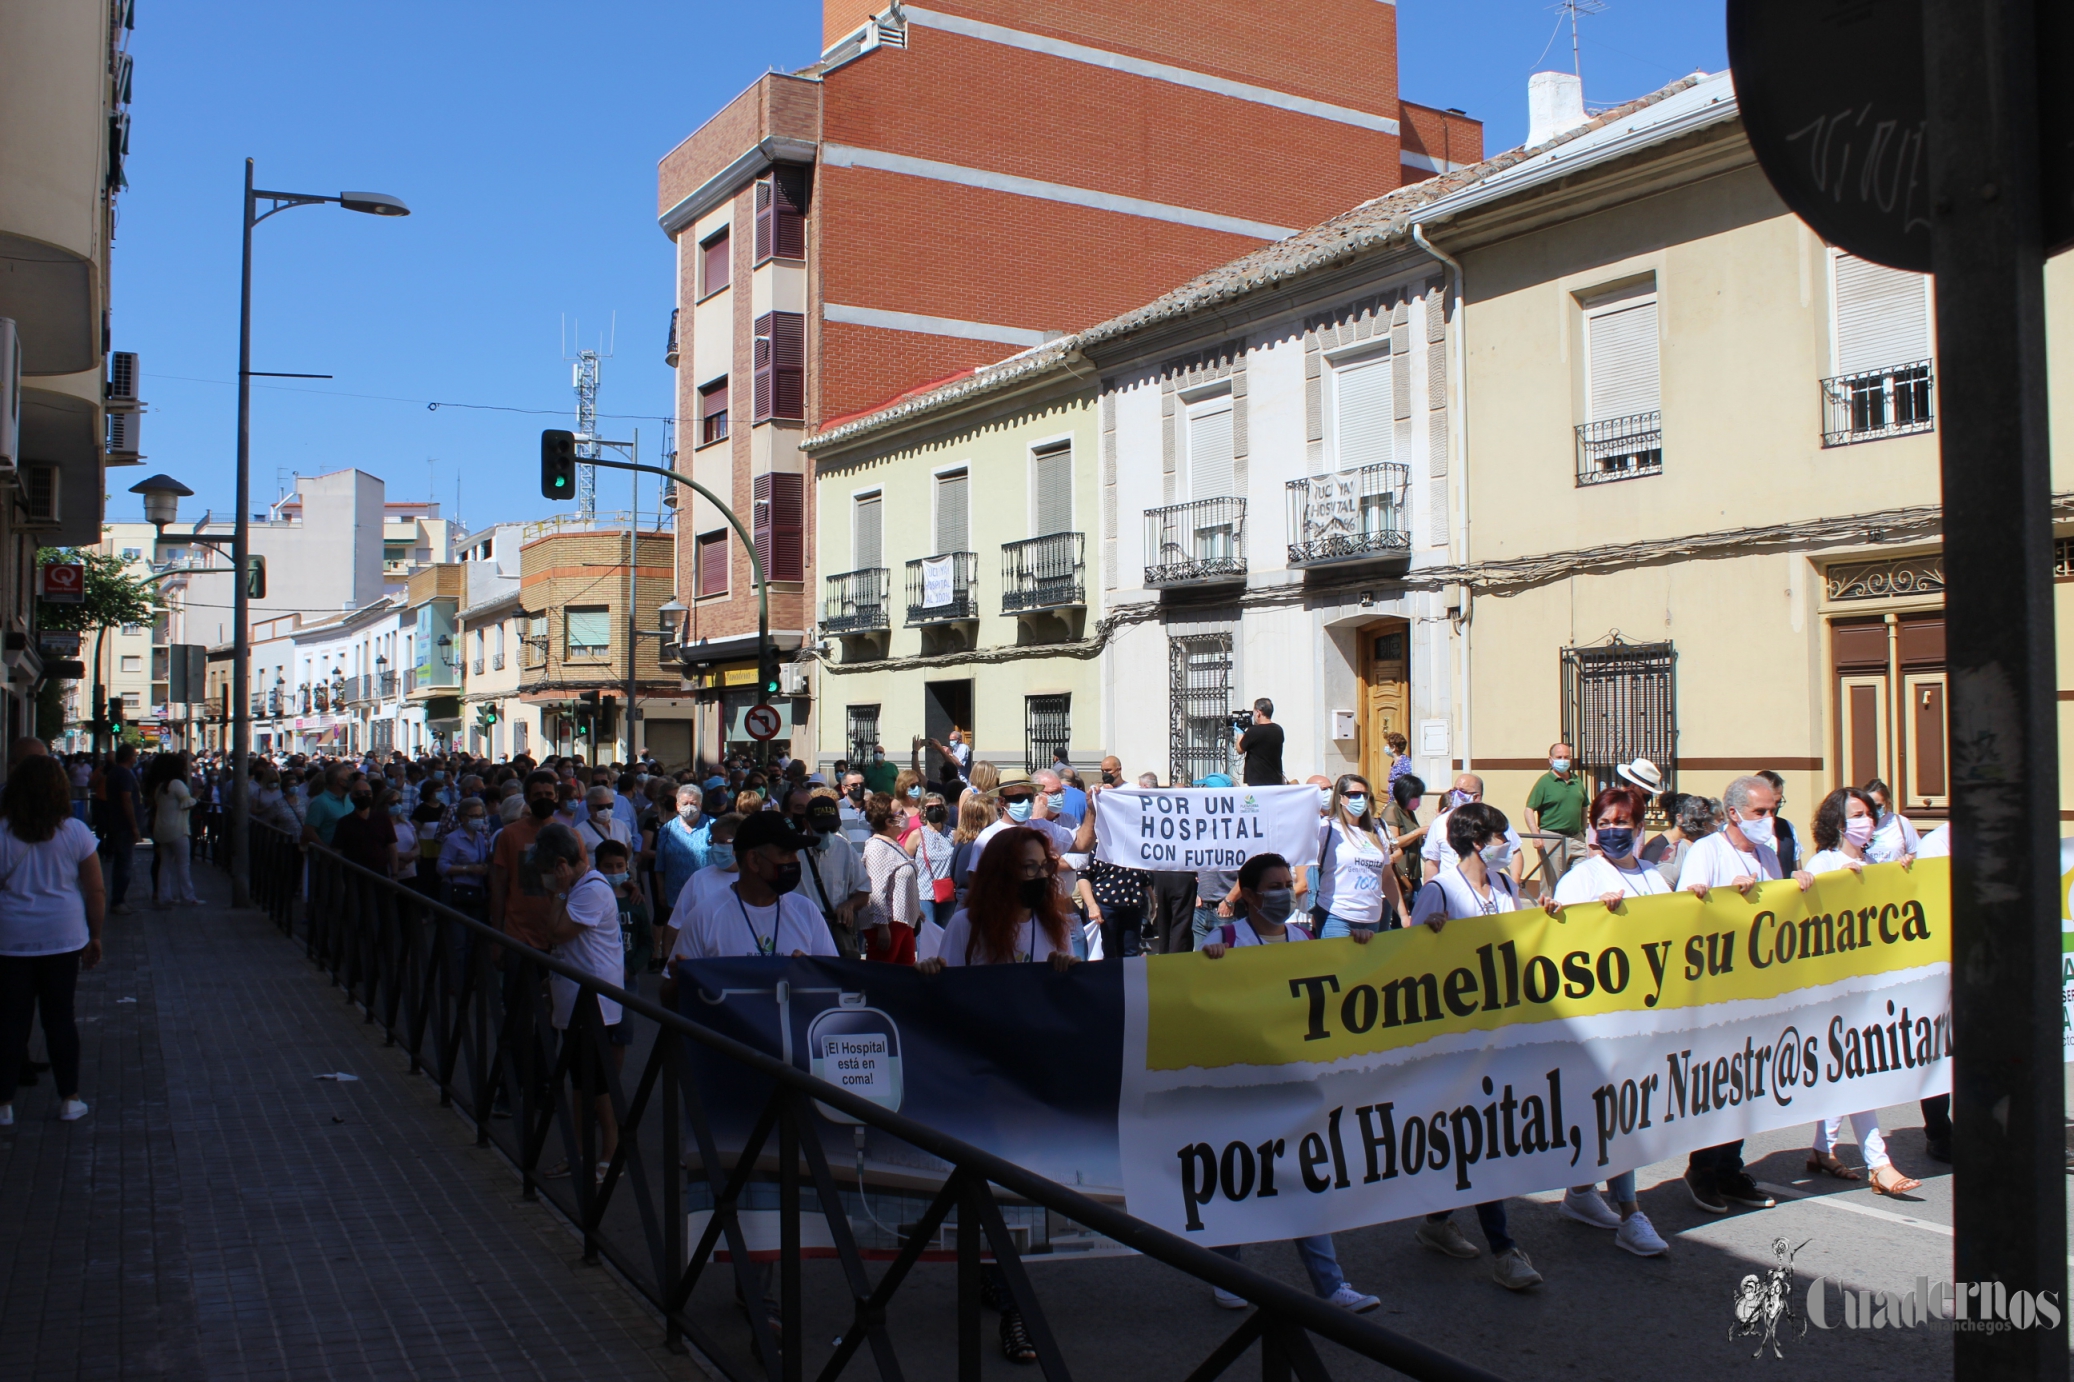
x=1618 y=841
x=396 y=809
x=1055 y=800
x=1559 y=765
x=1497 y=854
x=1019 y=810
x=1458 y=798
x=721 y=856
x=1357 y=804
x=615 y=879
x=914 y=794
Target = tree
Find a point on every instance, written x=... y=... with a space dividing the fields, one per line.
x=114 y=596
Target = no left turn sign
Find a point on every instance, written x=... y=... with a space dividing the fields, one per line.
x=761 y=721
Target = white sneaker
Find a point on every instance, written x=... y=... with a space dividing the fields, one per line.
x=1639 y=1237
x=1227 y=1300
x=1513 y=1271
x=1347 y=1298
x=71 y=1110
x=6 y=1115
x=1589 y=1207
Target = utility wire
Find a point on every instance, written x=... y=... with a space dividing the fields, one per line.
x=430 y=405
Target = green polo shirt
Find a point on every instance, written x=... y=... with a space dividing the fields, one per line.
x=880 y=777
x=1561 y=804
x=324 y=814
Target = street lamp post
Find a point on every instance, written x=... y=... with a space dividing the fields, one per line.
x=370 y=203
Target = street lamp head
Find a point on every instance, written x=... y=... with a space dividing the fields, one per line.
x=162 y=496
x=671 y=616
x=373 y=203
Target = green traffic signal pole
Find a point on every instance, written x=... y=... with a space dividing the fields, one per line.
x=763 y=599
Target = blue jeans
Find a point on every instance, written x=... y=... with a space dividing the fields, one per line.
x=120 y=852
x=1490 y=1217
x=1320 y=1262
x=1337 y=926
x=1206 y=921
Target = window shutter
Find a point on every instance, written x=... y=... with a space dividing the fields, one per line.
x=762 y=366
x=780 y=525
x=589 y=629
x=953 y=523
x=788 y=365
x=1054 y=491
x=1362 y=413
x=781 y=215
x=717 y=263
x=712 y=568
x=1882 y=316
x=763 y=221
x=868 y=544
x=1621 y=354
x=1210 y=468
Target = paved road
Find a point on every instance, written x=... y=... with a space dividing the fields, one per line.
x=222 y=1214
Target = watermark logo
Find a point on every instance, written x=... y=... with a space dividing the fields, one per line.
x=1962 y=1307
x=1764 y=1303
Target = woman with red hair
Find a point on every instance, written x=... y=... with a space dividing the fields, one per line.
x=1014 y=912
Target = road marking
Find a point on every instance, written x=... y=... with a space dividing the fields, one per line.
x=1849 y=1206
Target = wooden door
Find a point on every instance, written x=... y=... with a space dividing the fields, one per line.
x=1927 y=784
x=1385 y=692
x=1862 y=714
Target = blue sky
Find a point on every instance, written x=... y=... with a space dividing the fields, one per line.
x=524 y=137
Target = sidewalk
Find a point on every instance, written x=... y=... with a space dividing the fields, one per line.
x=222 y=1214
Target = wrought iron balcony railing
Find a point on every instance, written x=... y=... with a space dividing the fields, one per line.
x=1877 y=403
x=856 y=601
x=1196 y=543
x=1350 y=515
x=1620 y=448
x=1047 y=572
x=943 y=589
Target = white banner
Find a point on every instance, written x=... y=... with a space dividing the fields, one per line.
x=936 y=582
x=1183 y=829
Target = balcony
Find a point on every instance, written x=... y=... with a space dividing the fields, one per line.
x=475 y=668
x=1875 y=404
x=1620 y=448
x=1353 y=515
x=1046 y=572
x=385 y=686
x=856 y=602
x=943 y=589
x=1201 y=543
x=496 y=662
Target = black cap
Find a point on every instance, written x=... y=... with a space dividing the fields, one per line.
x=769 y=828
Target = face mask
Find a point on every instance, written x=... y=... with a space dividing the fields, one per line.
x=396 y=809
x=936 y=815
x=362 y=803
x=689 y=810
x=1858 y=830
x=1357 y=804
x=1559 y=765
x=1414 y=804
x=787 y=879
x=541 y=807
x=615 y=879
x=721 y=856
x=1108 y=779
x=1324 y=798
x=1757 y=832
x=1019 y=811
x=878 y=758
x=1032 y=892
x=1459 y=798
x=1496 y=855
x=1618 y=841
x=856 y=795
x=1276 y=904
x=1055 y=800
x=476 y=825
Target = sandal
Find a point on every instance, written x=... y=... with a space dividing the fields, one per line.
x=1828 y=1164
x=1900 y=1185
x=1015 y=1339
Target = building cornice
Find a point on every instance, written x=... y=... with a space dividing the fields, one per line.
x=715 y=190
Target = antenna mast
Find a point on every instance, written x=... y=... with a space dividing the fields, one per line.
x=585 y=378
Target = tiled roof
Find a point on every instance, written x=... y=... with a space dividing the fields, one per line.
x=1382 y=222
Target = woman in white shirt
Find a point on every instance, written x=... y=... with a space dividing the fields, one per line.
x=1845 y=825
x=1609 y=875
x=1894 y=837
x=171 y=841
x=1014 y=912
x=50 y=925
x=1355 y=880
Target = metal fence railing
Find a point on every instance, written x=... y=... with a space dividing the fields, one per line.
x=1620 y=448
x=1197 y=542
x=856 y=602
x=943 y=589
x=468 y=1005
x=1046 y=572
x=1872 y=404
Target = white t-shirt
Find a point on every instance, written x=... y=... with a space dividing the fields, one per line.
x=722 y=925
x=1712 y=860
x=1937 y=844
x=1357 y=876
x=1450 y=895
x=1031 y=944
x=1436 y=848
x=1591 y=878
x=702 y=884
x=595 y=949
x=1242 y=933
x=615 y=829
x=41 y=911
x=1832 y=861
x=1893 y=837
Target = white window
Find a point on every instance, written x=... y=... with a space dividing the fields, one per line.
x=953 y=512
x=132 y=663
x=1363 y=411
x=589 y=632
x=1051 y=483
x=498 y=643
x=867 y=533
x=1882 y=316
x=1620 y=354
x=1210 y=460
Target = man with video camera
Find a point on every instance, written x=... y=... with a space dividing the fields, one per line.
x=1260 y=744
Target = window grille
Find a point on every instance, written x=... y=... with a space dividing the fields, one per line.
x=862 y=732
x=1047 y=725
x=1199 y=706
x=1620 y=704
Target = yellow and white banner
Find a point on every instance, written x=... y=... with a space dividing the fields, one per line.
x=1298 y=1089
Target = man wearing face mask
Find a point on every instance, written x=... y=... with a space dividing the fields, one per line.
x=1739 y=856
x=836 y=880
x=464 y=861
x=680 y=843
x=761 y=912
x=1436 y=853
x=367 y=837
x=1022 y=804
x=519 y=904
x=1556 y=807
x=879 y=775
x=602 y=821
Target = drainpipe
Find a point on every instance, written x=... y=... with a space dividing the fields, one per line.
x=1458 y=428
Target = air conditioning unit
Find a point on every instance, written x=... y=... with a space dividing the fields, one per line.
x=122 y=437
x=10 y=395
x=792 y=678
x=40 y=490
x=122 y=379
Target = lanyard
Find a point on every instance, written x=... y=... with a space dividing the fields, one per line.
x=763 y=947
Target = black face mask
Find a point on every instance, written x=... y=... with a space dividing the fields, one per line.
x=1108 y=779
x=936 y=815
x=1032 y=892
x=799 y=821
x=361 y=803
x=857 y=794
x=541 y=807
x=787 y=879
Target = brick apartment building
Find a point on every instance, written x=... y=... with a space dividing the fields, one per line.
x=945 y=187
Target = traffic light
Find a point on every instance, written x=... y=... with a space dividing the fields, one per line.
x=489 y=713
x=767 y=676
x=115 y=712
x=587 y=715
x=255 y=577
x=558 y=465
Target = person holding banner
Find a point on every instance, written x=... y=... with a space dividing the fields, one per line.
x=1357 y=888
x=1476 y=885
x=1609 y=874
x=760 y=912
x=1014 y=914
x=1266 y=902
